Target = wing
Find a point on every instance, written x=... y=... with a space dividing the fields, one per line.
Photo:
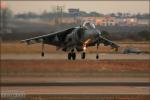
x=107 y=42
x=56 y=38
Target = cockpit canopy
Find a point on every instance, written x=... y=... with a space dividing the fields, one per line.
x=88 y=25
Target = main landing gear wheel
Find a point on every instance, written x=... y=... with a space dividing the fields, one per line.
x=69 y=56
x=83 y=55
x=72 y=55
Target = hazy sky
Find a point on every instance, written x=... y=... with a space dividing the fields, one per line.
x=98 y=6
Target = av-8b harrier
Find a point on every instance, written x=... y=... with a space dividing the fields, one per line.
x=73 y=40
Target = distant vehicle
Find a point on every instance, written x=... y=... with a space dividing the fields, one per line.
x=132 y=50
x=74 y=39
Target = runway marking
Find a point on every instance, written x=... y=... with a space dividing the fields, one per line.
x=145 y=84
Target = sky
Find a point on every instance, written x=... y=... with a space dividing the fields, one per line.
x=104 y=7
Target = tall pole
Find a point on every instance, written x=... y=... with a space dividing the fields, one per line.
x=60 y=10
x=4 y=21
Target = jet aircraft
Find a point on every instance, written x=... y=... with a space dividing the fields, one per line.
x=73 y=40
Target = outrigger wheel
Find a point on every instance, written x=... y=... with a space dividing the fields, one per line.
x=97 y=56
x=42 y=54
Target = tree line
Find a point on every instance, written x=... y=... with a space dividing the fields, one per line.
x=143 y=35
x=50 y=15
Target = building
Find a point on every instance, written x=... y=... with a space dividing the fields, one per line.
x=143 y=22
x=127 y=21
x=106 y=21
x=102 y=21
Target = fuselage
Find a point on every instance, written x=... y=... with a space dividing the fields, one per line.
x=91 y=34
x=80 y=37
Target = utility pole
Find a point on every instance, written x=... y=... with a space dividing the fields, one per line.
x=4 y=21
x=59 y=10
x=3 y=8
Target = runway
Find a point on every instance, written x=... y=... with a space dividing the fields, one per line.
x=31 y=79
x=86 y=90
x=63 y=56
x=76 y=86
x=81 y=83
x=71 y=81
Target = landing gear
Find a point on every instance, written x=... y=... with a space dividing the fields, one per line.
x=72 y=55
x=97 y=55
x=42 y=53
x=83 y=55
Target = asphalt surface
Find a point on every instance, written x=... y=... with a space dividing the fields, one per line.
x=116 y=90
x=91 y=56
x=145 y=84
x=104 y=85
x=28 y=79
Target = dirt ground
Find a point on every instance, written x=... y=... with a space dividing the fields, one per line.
x=54 y=67
x=90 y=97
